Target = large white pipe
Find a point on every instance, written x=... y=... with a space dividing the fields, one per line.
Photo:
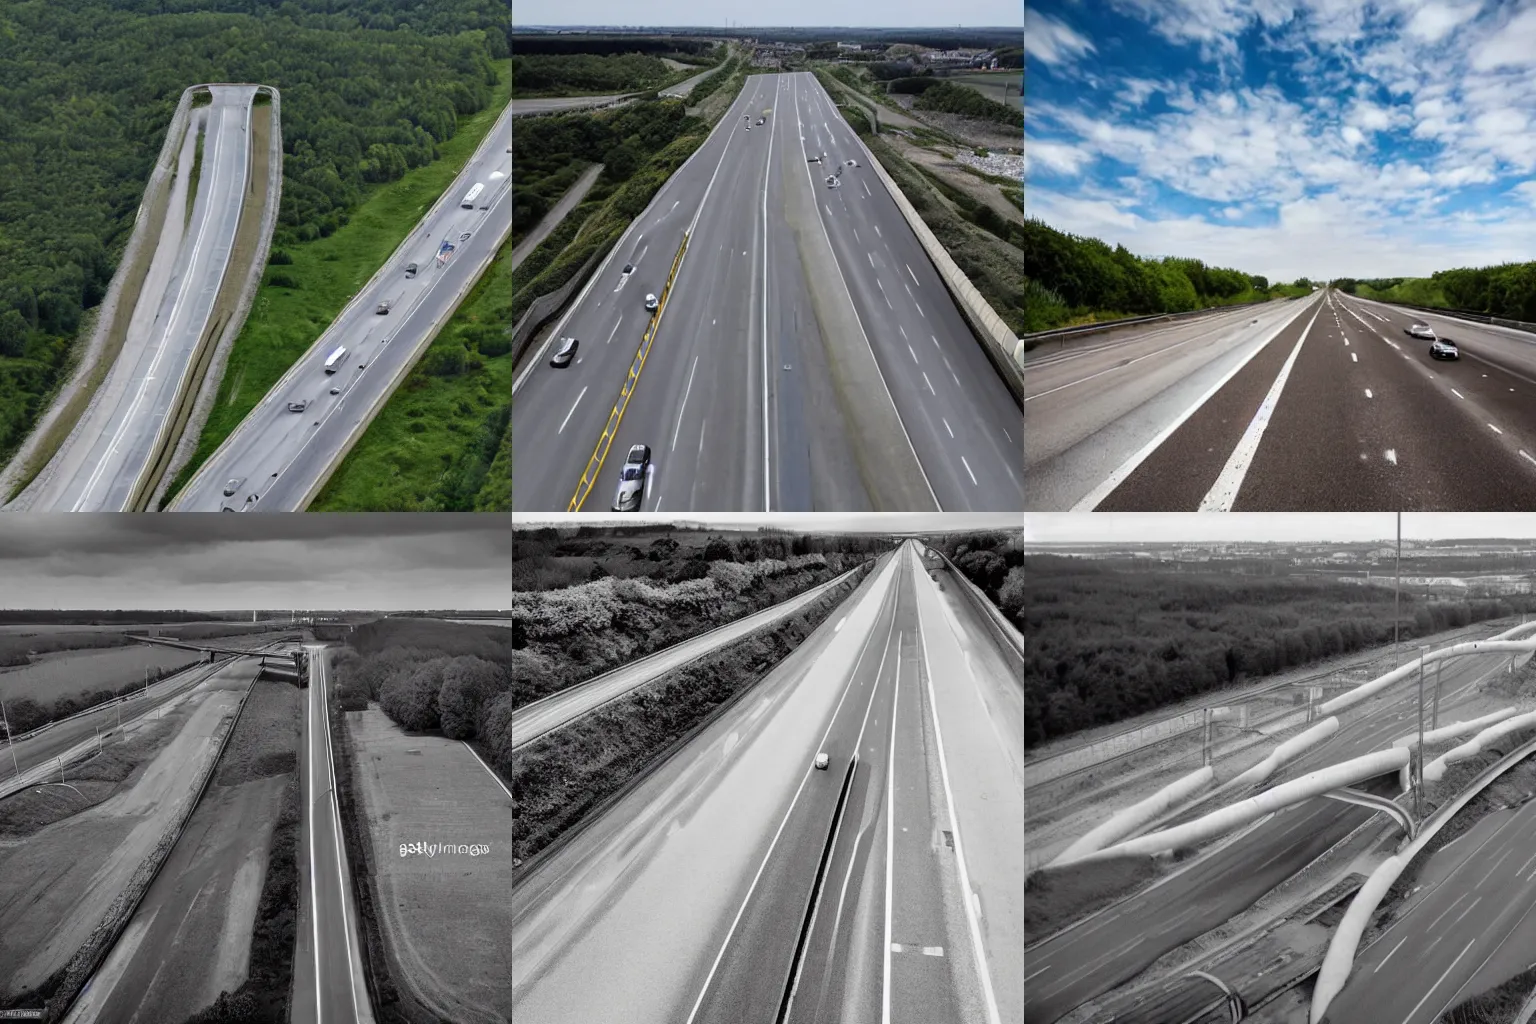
x=1340 y=958
x=1225 y=819
x=1446 y=732
x=1285 y=752
x=1435 y=770
x=1129 y=820
x=1375 y=686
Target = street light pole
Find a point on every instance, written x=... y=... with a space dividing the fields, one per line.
x=1418 y=793
x=9 y=739
x=1397 y=589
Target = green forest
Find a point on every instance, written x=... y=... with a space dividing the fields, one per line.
x=1507 y=291
x=1070 y=279
x=369 y=89
x=1110 y=640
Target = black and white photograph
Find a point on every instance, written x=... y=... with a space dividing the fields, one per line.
x=768 y=768
x=255 y=769
x=1280 y=768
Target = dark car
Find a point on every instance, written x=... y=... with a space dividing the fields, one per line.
x=629 y=268
x=232 y=486
x=632 y=479
x=410 y=270
x=1444 y=348
x=566 y=353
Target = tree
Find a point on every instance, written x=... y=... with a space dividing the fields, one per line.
x=467 y=683
x=13 y=333
x=718 y=550
x=409 y=697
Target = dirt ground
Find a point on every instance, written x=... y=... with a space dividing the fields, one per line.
x=56 y=884
x=446 y=917
x=71 y=673
x=953 y=174
x=191 y=937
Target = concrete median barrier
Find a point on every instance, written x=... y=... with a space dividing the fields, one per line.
x=1123 y=823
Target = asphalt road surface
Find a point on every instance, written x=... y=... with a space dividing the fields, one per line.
x=1112 y=947
x=808 y=357
x=684 y=902
x=114 y=442
x=542 y=717
x=278 y=458
x=328 y=968
x=1430 y=957
x=1325 y=405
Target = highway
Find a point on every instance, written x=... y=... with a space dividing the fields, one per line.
x=1480 y=911
x=1111 y=947
x=691 y=892
x=282 y=458
x=328 y=983
x=544 y=716
x=808 y=357
x=1325 y=404
x=113 y=444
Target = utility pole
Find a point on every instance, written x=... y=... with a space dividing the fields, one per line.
x=1418 y=792
x=9 y=739
x=1397 y=590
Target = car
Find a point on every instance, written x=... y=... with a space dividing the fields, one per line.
x=566 y=353
x=632 y=479
x=225 y=508
x=832 y=181
x=233 y=486
x=384 y=307
x=759 y=120
x=813 y=159
x=465 y=236
x=410 y=270
x=1422 y=331
x=629 y=268
x=747 y=127
x=822 y=760
x=650 y=301
x=335 y=391
x=1444 y=348
x=298 y=405
x=362 y=366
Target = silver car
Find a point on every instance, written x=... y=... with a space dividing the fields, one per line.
x=632 y=479
x=1422 y=331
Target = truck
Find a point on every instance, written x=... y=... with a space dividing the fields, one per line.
x=333 y=361
x=474 y=193
x=444 y=252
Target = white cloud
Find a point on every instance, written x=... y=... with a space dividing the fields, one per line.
x=1512 y=45
x=1055 y=156
x=1352 y=135
x=1051 y=41
x=1432 y=21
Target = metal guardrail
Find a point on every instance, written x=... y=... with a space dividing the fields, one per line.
x=1109 y=325
x=616 y=414
x=1459 y=314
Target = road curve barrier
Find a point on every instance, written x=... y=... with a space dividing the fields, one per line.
x=1287 y=751
x=1367 y=690
x=1124 y=822
x=1340 y=958
x=616 y=414
x=1233 y=816
x=1435 y=770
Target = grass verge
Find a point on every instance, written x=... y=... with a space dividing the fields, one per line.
x=323 y=275
x=564 y=779
x=434 y=445
x=1054 y=898
x=1500 y=1005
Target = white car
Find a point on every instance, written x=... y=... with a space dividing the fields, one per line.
x=1422 y=331
x=650 y=302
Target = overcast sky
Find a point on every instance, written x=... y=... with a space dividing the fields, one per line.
x=786 y=13
x=1260 y=526
x=806 y=522
x=373 y=561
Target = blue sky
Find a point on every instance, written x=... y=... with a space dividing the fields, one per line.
x=1318 y=138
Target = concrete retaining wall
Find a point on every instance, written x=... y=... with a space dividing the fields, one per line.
x=545 y=307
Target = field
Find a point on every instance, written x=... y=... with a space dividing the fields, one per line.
x=997 y=86
x=57 y=885
x=74 y=673
x=191 y=938
x=284 y=322
x=446 y=918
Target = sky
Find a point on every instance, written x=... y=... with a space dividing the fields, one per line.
x=787 y=13
x=1271 y=526
x=1288 y=138
x=372 y=561
x=808 y=522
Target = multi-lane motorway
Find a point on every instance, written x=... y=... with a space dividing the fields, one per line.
x=686 y=900
x=1114 y=945
x=279 y=458
x=328 y=980
x=808 y=357
x=1324 y=404
x=112 y=446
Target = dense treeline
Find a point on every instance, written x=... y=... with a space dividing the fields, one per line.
x=1507 y=290
x=1108 y=640
x=586 y=73
x=1069 y=277
x=370 y=87
x=677 y=48
x=949 y=98
x=995 y=563
x=25 y=714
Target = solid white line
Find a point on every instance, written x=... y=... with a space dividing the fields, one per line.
x=1438 y=980
x=686 y=392
x=780 y=831
x=488 y=771
x=1224 y=491
x=1389 y=955
x=890 y=837
x=767 y=475
x=573 y=409
x=341 y=868
x=983 y=972
x=314 y=897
